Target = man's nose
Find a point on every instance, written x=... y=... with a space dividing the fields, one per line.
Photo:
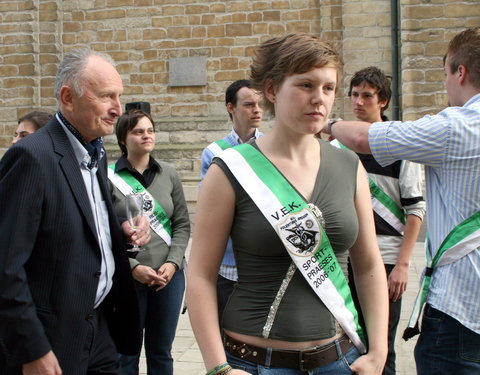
x=116 y=107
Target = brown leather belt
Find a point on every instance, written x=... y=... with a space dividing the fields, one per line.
x=304 y=360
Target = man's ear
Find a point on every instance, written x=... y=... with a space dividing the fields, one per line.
x=230 y=107
x=270 y=91
x=462 y=74
x=66 y=97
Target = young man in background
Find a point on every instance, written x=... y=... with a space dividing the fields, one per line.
x=397 y=200
x=245 y=110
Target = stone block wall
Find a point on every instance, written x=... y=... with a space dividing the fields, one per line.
x=143 y=35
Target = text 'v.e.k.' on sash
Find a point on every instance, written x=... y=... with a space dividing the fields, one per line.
x=153 y=211
x=297 y=224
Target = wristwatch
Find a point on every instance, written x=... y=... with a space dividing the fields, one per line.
x=331 y=122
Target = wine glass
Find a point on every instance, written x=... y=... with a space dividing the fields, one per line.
x=134 y=207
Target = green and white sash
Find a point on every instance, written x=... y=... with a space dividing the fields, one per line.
x=382 y=204
x=297 y=225
x=153 y=211
x=386 y=207
x=463 y=239
x=218 y=146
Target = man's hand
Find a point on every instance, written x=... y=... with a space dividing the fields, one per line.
x=397 y=282
x=46 y=365
x=140 y=235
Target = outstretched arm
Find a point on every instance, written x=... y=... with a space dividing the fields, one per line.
x=352 y=134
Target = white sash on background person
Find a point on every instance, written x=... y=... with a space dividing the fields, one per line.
x=462 y=240
x=382 y=203
x=154 y=212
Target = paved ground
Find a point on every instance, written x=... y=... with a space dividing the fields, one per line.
x=188 y=360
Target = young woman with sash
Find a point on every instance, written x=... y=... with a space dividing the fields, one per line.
x=158 y=268
x=295 y=207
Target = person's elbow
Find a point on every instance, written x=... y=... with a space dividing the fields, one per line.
x=360 y=143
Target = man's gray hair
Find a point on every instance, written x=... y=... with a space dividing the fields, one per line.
x=70 y=70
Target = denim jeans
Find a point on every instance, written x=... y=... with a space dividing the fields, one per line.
x=445 y=346
x=339 y=367
x=159 y=312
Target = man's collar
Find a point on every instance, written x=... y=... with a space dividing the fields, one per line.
x=234 y=134
x=94 y=148
x=473 y=99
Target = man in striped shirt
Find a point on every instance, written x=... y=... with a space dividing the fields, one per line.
x=244 y=108
x=448 y=145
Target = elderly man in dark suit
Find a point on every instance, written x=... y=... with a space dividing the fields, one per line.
x=67 y=302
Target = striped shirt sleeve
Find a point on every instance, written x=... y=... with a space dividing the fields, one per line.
x=424 y=141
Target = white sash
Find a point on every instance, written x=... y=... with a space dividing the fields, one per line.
x=126 y=189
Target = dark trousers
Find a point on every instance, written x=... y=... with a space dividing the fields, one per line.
x=445 y=346
x=100 y=352
x=393 y=319
x=98 y=357
x=224 y=290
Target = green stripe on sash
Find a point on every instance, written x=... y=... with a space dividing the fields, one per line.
x=158 y=211
x=223 y=144
x=388 y=202
x=155 y=214
x=462 y=239
x=382 y=197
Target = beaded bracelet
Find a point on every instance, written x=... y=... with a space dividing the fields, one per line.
x=221 y=369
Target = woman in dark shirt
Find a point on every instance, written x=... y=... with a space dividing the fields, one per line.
x=158 y=268
x=274 y=322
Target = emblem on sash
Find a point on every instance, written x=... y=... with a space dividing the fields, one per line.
x=300 y=233
x=147 y=203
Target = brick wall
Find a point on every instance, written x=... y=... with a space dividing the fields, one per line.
x=142 y=35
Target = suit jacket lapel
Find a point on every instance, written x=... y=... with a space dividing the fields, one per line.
x=71 y=170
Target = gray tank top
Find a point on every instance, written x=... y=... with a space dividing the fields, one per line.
x=263 y=261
